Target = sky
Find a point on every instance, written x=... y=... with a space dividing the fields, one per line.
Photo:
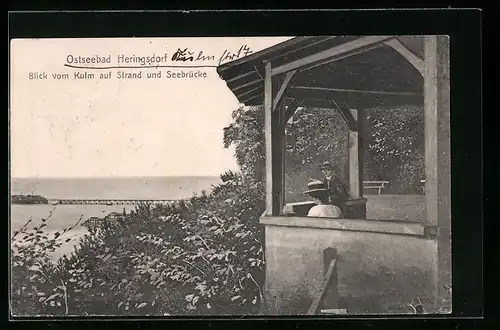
x=119 y=127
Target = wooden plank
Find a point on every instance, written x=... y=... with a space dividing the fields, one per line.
x=431 y=130
x=334 y=311
x=292 y=107
x=278 y=145
x=260 y=71
x=333 y=91
x=250 y=83
x=343 y=49
x=444 y=142
x=308 y=45
x=346 y=114
x=400 y=227
x=414 y=60
x=268 y=111
x=251 y=97
x=360 y=120
x=246 y=74
x=328 y=295
x=340 y=57
x=354 y=179
x=282 y=146
x=284 y=85
x=252 y=92
x=277 y=138
x=439 y=183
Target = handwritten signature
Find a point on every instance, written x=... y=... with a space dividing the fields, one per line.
x=186 y=55
x=228 y=56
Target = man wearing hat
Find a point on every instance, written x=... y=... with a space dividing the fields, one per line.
x=318 y=191
x=338 y=192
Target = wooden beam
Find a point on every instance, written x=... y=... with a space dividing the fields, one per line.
x=431 y=130
x=250 y=92
x=328 y=91
x=308 y=45
x=268 y=112
x=250 y=83
x=327 y=104
x=369 y=99
x=340 y=50
x=356 y=164
x=288 y=77
x=347 y=115
x=295 y=49
x=437 y=130
x=414 y=60
x=277 y=145
x=310 y=93
x=292 y=107
x=259 y=71
x=328 y=295
x=317 y=103
x=238 y=77
x=437 y=151
x=281 y=146
x=341 y=57
x=251 y=97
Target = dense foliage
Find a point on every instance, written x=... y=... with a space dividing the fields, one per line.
x=203 y=256
x=395 y=149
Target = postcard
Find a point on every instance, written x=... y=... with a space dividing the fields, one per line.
x=305 y=175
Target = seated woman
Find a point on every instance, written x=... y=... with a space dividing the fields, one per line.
x=319 y=192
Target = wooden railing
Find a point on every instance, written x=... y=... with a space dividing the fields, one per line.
x=327 y=301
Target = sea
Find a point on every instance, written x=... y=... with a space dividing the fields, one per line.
x=62 y=216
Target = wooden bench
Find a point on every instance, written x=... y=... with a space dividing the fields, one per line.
x=379 y=185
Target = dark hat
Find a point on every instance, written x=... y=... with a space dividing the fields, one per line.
x=326 y=165
x=316 y=186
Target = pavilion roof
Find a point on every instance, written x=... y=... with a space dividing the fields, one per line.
x=363 y=74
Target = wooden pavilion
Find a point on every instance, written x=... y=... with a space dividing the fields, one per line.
x=349 y=74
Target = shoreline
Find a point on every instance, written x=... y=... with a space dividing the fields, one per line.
x=28 y=199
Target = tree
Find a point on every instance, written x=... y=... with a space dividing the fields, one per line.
x=395 y=149
x=246 y=133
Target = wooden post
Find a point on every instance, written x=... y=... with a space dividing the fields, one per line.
x=356 y=157
x=331 y=297
x=431 y=100
x=327 y=297
x=437 y=130
x=268 y=111
x=274 y=139
x=278 y=148
x=283 y=121
x=437 y=148
x=360 y=119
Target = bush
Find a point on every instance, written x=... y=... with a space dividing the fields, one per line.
x=200 y=257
